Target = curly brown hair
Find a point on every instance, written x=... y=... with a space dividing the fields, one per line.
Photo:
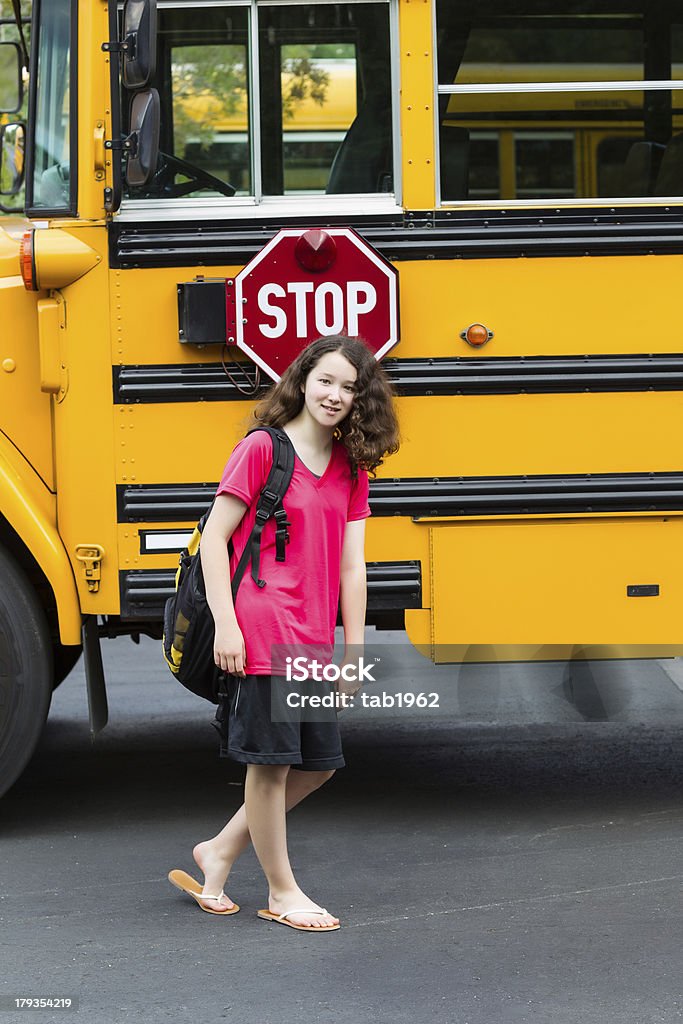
x=370 y=430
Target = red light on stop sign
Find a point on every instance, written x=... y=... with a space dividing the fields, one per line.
x=315 y=250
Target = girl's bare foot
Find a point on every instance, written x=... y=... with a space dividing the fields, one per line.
x=216 y=868
x=296 y=898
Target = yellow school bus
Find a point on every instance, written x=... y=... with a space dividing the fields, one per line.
x=521 y=166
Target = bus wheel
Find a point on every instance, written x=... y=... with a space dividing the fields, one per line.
x=26 y=671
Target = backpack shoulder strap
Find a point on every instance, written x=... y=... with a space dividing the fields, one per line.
x=269 y=505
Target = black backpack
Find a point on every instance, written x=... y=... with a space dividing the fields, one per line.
x=189 y=628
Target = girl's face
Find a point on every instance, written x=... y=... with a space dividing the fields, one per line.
x=330 y=388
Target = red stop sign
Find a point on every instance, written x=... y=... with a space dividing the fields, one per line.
x=276 y=305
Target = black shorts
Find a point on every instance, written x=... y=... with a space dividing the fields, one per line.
x=264 y=729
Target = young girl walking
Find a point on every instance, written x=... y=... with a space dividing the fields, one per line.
x=335 y=404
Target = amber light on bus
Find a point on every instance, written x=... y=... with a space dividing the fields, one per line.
x=27 y=262
x=476 y=335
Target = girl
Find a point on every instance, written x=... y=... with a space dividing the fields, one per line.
x=335 y=404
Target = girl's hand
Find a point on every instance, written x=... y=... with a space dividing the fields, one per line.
x=350 y=687
x=229 y=652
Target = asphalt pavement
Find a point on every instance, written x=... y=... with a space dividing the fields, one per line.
x=511 y=855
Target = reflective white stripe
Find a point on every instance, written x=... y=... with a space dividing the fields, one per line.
x=166 y=541
x=498 y=87
x=226 y=137
x=319 y=136
x=170 y=4
x=244 y=207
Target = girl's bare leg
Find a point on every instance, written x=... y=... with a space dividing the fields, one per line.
x=216 y=856
x=265 y=803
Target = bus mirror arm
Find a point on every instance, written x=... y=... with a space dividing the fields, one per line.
x=129 y=144
x=127 y=47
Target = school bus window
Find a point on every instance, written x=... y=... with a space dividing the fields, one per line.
x=322 y=107
x=319 y=104
x=203 y=81
x=50 y=187
x=544 y=165
x=522 y=40
x=483 y=166
x=516 y=72
x=612 y=157
x=677 y=48
x=209 y=86
x=325 y=80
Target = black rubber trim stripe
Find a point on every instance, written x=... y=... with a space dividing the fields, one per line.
x=391 y=586
x=415 y=235
x=444 y=496
x=493 y=375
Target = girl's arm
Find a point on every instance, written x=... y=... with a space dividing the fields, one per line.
x=353 y=585
x=226 y=514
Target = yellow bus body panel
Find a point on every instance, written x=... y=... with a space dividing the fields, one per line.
x=416 y=104
x=31 y=510
x=94 y=115
x=26 y=419
x=519 y=299
x=84 y=427
x=522 y=434
x=560 y=580
x=25 y=409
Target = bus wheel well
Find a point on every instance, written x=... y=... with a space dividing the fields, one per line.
x=65 y=657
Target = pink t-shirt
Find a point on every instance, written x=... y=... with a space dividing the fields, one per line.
x=298 y=604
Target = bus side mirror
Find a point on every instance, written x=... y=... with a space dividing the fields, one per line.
x=142 y=143
x=11 y=84
x=140 y=38
x=12 y=149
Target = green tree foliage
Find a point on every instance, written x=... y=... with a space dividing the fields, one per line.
x=208 y=82
x=7 y=11
x=306 y=80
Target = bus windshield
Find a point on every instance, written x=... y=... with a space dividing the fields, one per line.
x=50 y=184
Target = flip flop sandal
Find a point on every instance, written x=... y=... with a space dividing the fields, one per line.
x=268 y=915
x=188 y=884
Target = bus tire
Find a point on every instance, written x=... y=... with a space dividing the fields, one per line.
x=26 y=671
